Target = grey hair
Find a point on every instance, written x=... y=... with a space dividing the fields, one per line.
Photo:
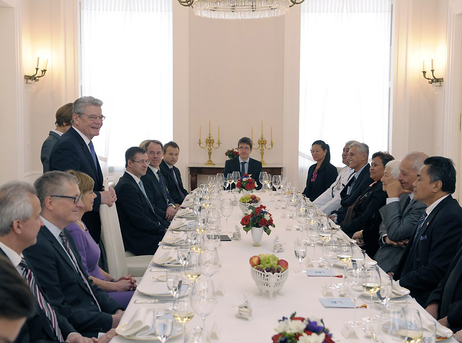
x=362 y=147
x=81 y=103
x=351 y=142
x=393 y=166
x=14 y=204
x=53 y=183
x=418 y=158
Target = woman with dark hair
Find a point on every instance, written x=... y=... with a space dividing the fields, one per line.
x=322 y=174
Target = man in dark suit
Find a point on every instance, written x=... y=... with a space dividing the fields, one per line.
x=245 y=164
x=172 y=174
x=434 y=242
x=142 y=229
x=155 y=183
x=21 y=224
x=401 y=213
x=57 y=264
x=75 y=151
x=359 y=182
x=63 y=123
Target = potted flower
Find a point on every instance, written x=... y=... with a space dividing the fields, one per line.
x=257 y=220
x=232 y=153
x=246 y=183
x=303 y=330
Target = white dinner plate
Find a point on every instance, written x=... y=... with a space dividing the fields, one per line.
x=160 y=290
x=177 y=331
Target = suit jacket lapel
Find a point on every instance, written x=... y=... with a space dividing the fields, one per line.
x=428 y=220
x=86 y=152
x=138 y=190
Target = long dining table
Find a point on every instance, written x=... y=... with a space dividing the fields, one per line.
x=300 y=293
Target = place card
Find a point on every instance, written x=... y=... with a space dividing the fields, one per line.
x=327 y=292
x=337 y=302
x=319 y=272
x=349 y=332
x=220 y=290
x=215 y=333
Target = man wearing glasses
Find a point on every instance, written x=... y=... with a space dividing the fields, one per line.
x=75 y=151
x=245 y=164
x=142 y=228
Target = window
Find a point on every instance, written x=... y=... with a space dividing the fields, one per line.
x=126 y=61
x=344 y=75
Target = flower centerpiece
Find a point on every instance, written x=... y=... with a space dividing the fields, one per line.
x=245 y=182
x=246 y=200
x=258 y=217
x=303 y=330
x=232 y=153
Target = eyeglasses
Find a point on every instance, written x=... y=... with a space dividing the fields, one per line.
x=142 y=162
x=93 y=117
x=76 y=199
x=244 y=148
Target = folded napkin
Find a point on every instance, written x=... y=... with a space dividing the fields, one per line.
x=399 y=291
x=177 y=223
x=166 y=259
x=177 y=239
x=154 y=288
x=184 y=212
x=140 y=323
x=428 y=321
x=188 y=201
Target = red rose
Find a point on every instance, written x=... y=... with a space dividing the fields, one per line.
x=245 y=175
x=238 y=184
x=235 y=153
x=245 y=220
x=248 y=186
x=262 y=222
x=270 y=221
x=276 y=338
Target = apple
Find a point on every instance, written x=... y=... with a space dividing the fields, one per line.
x=254 y=261
x=284 y=264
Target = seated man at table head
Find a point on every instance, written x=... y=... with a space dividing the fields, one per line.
x=245 y=164
x=63 y=123
x=57 y=264
x=172 y=174
x=358 y=156
x=155 y=183
x=330 y=200
x=142 y=228
x=16 y=301
x=401 y=213
x=436 y=238
x=19 y=225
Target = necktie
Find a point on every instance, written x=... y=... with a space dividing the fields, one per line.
x=44 y=305
x=162 y=186
x=421 y=222
x=145 y=195
x=177 y=184
x=93 y=154
x=243 y=168
x=406 y=204
x=76 y=265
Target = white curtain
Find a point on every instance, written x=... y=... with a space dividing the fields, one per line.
x=126 y=61
x=344 y=75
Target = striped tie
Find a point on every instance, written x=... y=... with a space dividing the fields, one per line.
x=44 y=305
x=76 y=265
x=421 y=222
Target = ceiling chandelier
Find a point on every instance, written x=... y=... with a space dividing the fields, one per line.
x=240 y=9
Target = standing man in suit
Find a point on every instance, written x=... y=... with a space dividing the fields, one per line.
x=172 y=174
x=434 y=242
x=358 y=156
x=142 y=229
x=57 y=264
x=245 y=164
x=401 y=213
x=63 y=123
x=155 y=183
x=20 y=212
x=75 y=151
x=329 y=201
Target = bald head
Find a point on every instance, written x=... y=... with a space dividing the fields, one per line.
x=409 y=168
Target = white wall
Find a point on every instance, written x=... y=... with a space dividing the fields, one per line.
x=235 y=73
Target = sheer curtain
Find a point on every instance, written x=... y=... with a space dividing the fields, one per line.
x=344 y=75
x=126 y=61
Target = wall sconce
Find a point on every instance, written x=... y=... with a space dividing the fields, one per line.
x=35 y=78
x=431 y=80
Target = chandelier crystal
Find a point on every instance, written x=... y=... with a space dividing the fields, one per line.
x=240 y=9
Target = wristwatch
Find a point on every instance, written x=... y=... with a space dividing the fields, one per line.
x=173 y=205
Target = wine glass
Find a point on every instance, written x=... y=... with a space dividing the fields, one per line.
x=174 y=283
x=413 y=331
x=163 y=327
x=276 y=181
x=312 y=233
x=209 y=262
x=372 y=284
x=262 y=178
x=392 y=321
x=354 y=288
x=220 y=179
x=302 y=215
x=192 y=268
x=196 y=335
x=292 y=204
x=345 y=255
x=236 y=176
x=182 y=312
x=325 y=233
x=226 y=208
x=330 y=251
x=386 y=290
x=183 y=254
x=203 y=298
x=229 y=180
x=300 y=252
x=212 y=238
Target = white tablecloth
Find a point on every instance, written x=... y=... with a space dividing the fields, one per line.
x=299 y=294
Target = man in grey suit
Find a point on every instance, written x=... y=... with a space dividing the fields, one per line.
x=401 y=213
x=63 y=123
